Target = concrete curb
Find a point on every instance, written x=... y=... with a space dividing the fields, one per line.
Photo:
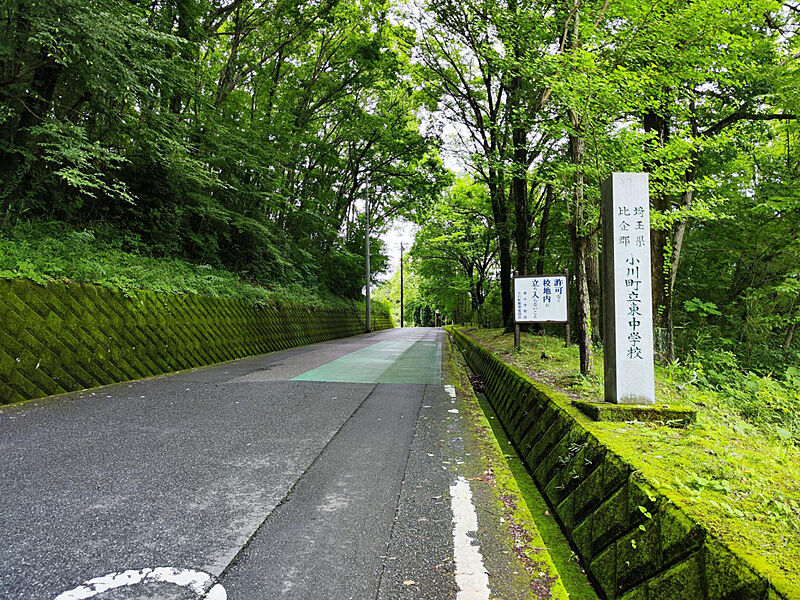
x=637 y=543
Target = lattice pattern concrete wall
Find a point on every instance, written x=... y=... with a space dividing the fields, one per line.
x=636 y=543
x=65 y=337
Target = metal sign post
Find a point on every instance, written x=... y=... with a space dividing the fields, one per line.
x=368 y=326
x=401 y=284
x=540 y=299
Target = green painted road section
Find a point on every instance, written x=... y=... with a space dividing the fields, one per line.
x=392 y=361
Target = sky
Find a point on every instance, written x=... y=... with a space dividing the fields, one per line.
x=403 y=231
x=400 y=231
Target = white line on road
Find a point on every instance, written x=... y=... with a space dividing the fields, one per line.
x=196 y=581
x=471 y=575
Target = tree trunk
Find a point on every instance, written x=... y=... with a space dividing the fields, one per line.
x=505 y=280
x=227 y=82
x=680 y=227
x=577 y=224
x=548 y=201
x=520 y=162
x=187 y=29
x=500 y=213
x=787 y=342
x=473 y=288
x=660 y=266
x=13 y=171
x=580 y=255
x=661 y=249
x=580 y=249
x=519 y=193
x=593 y=282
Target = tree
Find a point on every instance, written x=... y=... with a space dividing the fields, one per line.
x=456 y=249
x=237 y=133
x=698 y=60
x=460 y=71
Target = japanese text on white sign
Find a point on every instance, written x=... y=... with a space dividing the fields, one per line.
x=627 y=298
x=540 y=299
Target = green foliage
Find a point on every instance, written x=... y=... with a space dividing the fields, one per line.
x=702 y=309
x=54 y=251
x=247 y=136
x=454 y=252
x=738 y=475
x=769 y=404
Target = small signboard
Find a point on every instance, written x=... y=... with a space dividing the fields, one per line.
x=540 y=299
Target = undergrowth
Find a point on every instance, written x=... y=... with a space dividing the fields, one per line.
x=53 y=251
x=737 y=470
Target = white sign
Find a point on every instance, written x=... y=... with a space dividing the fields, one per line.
x=628 y=313
x=540 y=299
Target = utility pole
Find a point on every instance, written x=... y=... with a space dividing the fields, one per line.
x=401 y=284
x=366 y=252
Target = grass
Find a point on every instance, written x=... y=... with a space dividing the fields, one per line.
x=53 y=251
x=549 y=562
x=739 y=477
x=564 y=558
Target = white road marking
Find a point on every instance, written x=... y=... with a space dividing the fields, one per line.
x=471 y=576
x=196 y=581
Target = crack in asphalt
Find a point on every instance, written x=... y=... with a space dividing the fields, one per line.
x=286 y=496
x=399 y=495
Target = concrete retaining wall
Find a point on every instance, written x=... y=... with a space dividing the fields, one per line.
x=64 y=337
x=635 y=543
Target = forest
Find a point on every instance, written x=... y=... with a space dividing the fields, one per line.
x=544 y=101
x=242 y=135
x=262 y=141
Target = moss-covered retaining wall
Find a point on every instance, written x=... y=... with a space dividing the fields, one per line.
x=64 y=337
x=635 y=542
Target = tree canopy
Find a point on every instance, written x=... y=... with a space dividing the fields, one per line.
x=243 y=134
x=253 y=136
x=547 y=99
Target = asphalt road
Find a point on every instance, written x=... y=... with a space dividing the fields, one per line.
x=322 y=472
x=276 y=487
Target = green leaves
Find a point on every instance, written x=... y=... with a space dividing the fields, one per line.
x=248 y=134
x=85 y=166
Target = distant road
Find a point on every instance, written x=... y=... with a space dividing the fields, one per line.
x=312 y=473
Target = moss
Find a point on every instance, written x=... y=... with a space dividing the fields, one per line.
x=63 y=337
x=638 y=555
x=562 y=555
x=643 y=502
x=553 y=435
x=604 y=571
x=565 y=512
x=727 y=577
x=674 y=416
x=588 y=494
x=639 y=593
x=610 y=520
x=735 y=483
x=684 y=580
x=680 y=535
x=615 y=474
x=551 y=462
x=509 y=497
x=6 y=363
x=642 y=511
x=582 y=538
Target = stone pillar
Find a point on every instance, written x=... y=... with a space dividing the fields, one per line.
x=627 y=293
